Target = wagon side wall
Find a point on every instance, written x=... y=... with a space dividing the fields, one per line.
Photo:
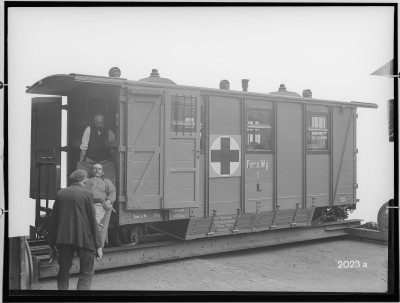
x=344 y=176
x=224 y=119
x=318 y=168
x=289 y=153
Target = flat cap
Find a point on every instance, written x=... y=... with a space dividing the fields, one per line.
x=78 y=175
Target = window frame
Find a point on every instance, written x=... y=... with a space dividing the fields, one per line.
x=175 y=111
x=270 y=111
x=310 y=129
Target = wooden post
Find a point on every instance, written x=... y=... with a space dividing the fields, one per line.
x=18 y=265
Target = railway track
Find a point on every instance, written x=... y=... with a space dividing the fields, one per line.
x=168 y=249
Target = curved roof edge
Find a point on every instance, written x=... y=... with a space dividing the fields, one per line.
x=62 y=84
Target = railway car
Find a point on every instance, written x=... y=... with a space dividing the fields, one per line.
x=194 y=162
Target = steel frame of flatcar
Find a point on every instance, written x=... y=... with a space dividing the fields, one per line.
x=252 y=221
x=129 y=255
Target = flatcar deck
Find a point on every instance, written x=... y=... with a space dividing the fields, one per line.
x=376 y=235
x=168 y=250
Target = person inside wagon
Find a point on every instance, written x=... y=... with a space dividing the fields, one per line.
x=93 y=147
x=104 y=195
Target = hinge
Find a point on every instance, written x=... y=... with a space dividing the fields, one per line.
x=65 y=107
x=356 y=151
x=355 y=115
x=64 y=148
x=355 y=185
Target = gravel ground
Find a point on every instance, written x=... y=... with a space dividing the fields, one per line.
x=311 y=266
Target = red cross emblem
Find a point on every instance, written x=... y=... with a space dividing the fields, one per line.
x=225 y=156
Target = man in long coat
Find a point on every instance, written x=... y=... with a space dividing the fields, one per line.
x=73 y=228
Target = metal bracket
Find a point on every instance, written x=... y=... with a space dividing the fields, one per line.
x=258 y=206
x=294 y=215
x=234 y=229
x=210 y=231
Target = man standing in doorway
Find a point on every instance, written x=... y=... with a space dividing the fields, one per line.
x=93 y=147
x=73 y=228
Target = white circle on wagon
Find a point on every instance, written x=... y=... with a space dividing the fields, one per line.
x=225 y=156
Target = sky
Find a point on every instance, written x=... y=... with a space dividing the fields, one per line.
x=330 y=50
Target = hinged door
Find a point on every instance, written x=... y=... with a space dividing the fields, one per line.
x=182 y=149
x=45 y=147
x=143 y=130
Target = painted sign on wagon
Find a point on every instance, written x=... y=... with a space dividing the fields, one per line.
x=258 y=164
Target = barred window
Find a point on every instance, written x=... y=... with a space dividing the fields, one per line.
x=183 y=115
x=317 y=132
x=259 y=130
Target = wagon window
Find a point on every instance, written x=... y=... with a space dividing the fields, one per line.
x=183 y=115
x=317 y=132
x=259 y=130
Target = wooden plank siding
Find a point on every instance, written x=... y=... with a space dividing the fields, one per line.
x=200 y=210
x=144 y=151
x=289 y=151
x=318 y=170
x=182 y=152
x=45 y=146
x=265 y=181
x=343 y=153
x=224 y=192
x=318 y=180
x=263 y=200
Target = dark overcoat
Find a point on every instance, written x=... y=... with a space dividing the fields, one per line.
x=73 y=219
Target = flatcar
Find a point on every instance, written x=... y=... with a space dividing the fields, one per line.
x=194 y=162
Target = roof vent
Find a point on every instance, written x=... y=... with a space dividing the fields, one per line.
x=114 y=72
x=284 y=92
x=245 y=84
x=307 y=93
x=154 y=73
x=224 y=84
x=282 y=88
x=155 y=78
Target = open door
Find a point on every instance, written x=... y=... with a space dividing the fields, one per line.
x=45 y=147
x=182 y=149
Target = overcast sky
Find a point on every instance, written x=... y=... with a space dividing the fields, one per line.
x=330 y=50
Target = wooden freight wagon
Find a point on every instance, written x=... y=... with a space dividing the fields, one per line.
x=200 y=162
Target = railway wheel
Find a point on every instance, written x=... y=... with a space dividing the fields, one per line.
x=129 y=235
x=383 y=217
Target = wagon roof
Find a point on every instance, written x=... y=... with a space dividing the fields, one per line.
x=63 y=84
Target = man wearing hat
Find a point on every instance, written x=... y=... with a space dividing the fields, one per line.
x=73 y=228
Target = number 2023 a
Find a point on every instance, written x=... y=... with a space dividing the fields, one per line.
x=349 y=264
